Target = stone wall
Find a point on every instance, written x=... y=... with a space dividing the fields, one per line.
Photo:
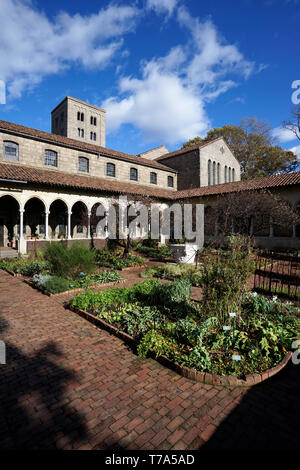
x=66 y=114
x=217 y=152
x=193 y=166
x=155 y=153
x=32 y=154
x=188 y=167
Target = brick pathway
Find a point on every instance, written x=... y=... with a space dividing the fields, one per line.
x=69 y=385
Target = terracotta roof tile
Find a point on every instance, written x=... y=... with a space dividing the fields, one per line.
x=58 y=179
x=72 y=143
x=187 y=149
x=74 y=181
x=285 y=179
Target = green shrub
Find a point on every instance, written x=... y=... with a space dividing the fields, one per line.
x=114 y=259
x=224 y=278
x=31 y=268
x=156 y=341
x=98 y=301
x=159 y=253
x=56 y=284
x=70 y=262
x=175 y=271
x=26 y=267
x=174 y=293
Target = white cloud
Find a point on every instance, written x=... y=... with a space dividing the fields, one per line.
x=32 y=46
x=283 y=135
x=159 y=105
x=168 y=101
x=296 y=150
x=213 y=58
x=162 y=6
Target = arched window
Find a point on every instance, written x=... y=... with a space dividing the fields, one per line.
x=82 y=117
x=170 y=182
x=82 y=133
x=229 y=174
x=214 y=172
x=95 y=121
x=133 y=174
x=10 y=151
x=78 y=115
x=110 y=169
x=233 y=174
x=153 y=178
x=92 y=120
x=225 y=174
x=83 y=164
x=50 y=158
x=218 y=173
x=209 y=172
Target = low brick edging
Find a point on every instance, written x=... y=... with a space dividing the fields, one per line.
x=129 y=268
x=12 y=273
x=192 y=374
x=77 y=289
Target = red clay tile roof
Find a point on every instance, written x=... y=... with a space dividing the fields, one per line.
x=187 y=149
x=72 y=181
x=68 y=180
x=286 y=179
x=72 y=143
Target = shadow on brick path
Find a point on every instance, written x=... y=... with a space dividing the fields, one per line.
x=33 y=412
x=267 y=417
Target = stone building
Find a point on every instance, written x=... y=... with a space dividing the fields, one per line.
x=52 y=183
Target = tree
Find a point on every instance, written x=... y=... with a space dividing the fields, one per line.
x=254 y=147
x=118 y=241
x=193 y=142
x=250 y=213
x=293 y=124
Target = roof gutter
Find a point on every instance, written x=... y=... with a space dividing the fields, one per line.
x=8 y=180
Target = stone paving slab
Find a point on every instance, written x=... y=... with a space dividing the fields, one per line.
x=69 y=385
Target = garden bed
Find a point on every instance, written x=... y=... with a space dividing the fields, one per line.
x=163 y=321
x=192 y=374
x=172 y=272
x=73 y=291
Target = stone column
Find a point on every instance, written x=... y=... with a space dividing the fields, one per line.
x=89 y=225
x=69 y=225
x=21 y=223
x=22 y=248
x=294 y=230
x=47 y=225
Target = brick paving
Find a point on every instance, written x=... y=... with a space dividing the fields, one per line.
x=69 y=385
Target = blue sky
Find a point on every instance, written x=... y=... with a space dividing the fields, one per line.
x=165 y=70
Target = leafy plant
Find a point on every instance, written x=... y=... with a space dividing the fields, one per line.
x=70 y=262
x=175 y=271
x=26 y=267
x=224 y=278
x=109 y=258
x=155 y=341
x=56 y=284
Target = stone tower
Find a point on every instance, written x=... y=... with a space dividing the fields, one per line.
x=78 y=120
